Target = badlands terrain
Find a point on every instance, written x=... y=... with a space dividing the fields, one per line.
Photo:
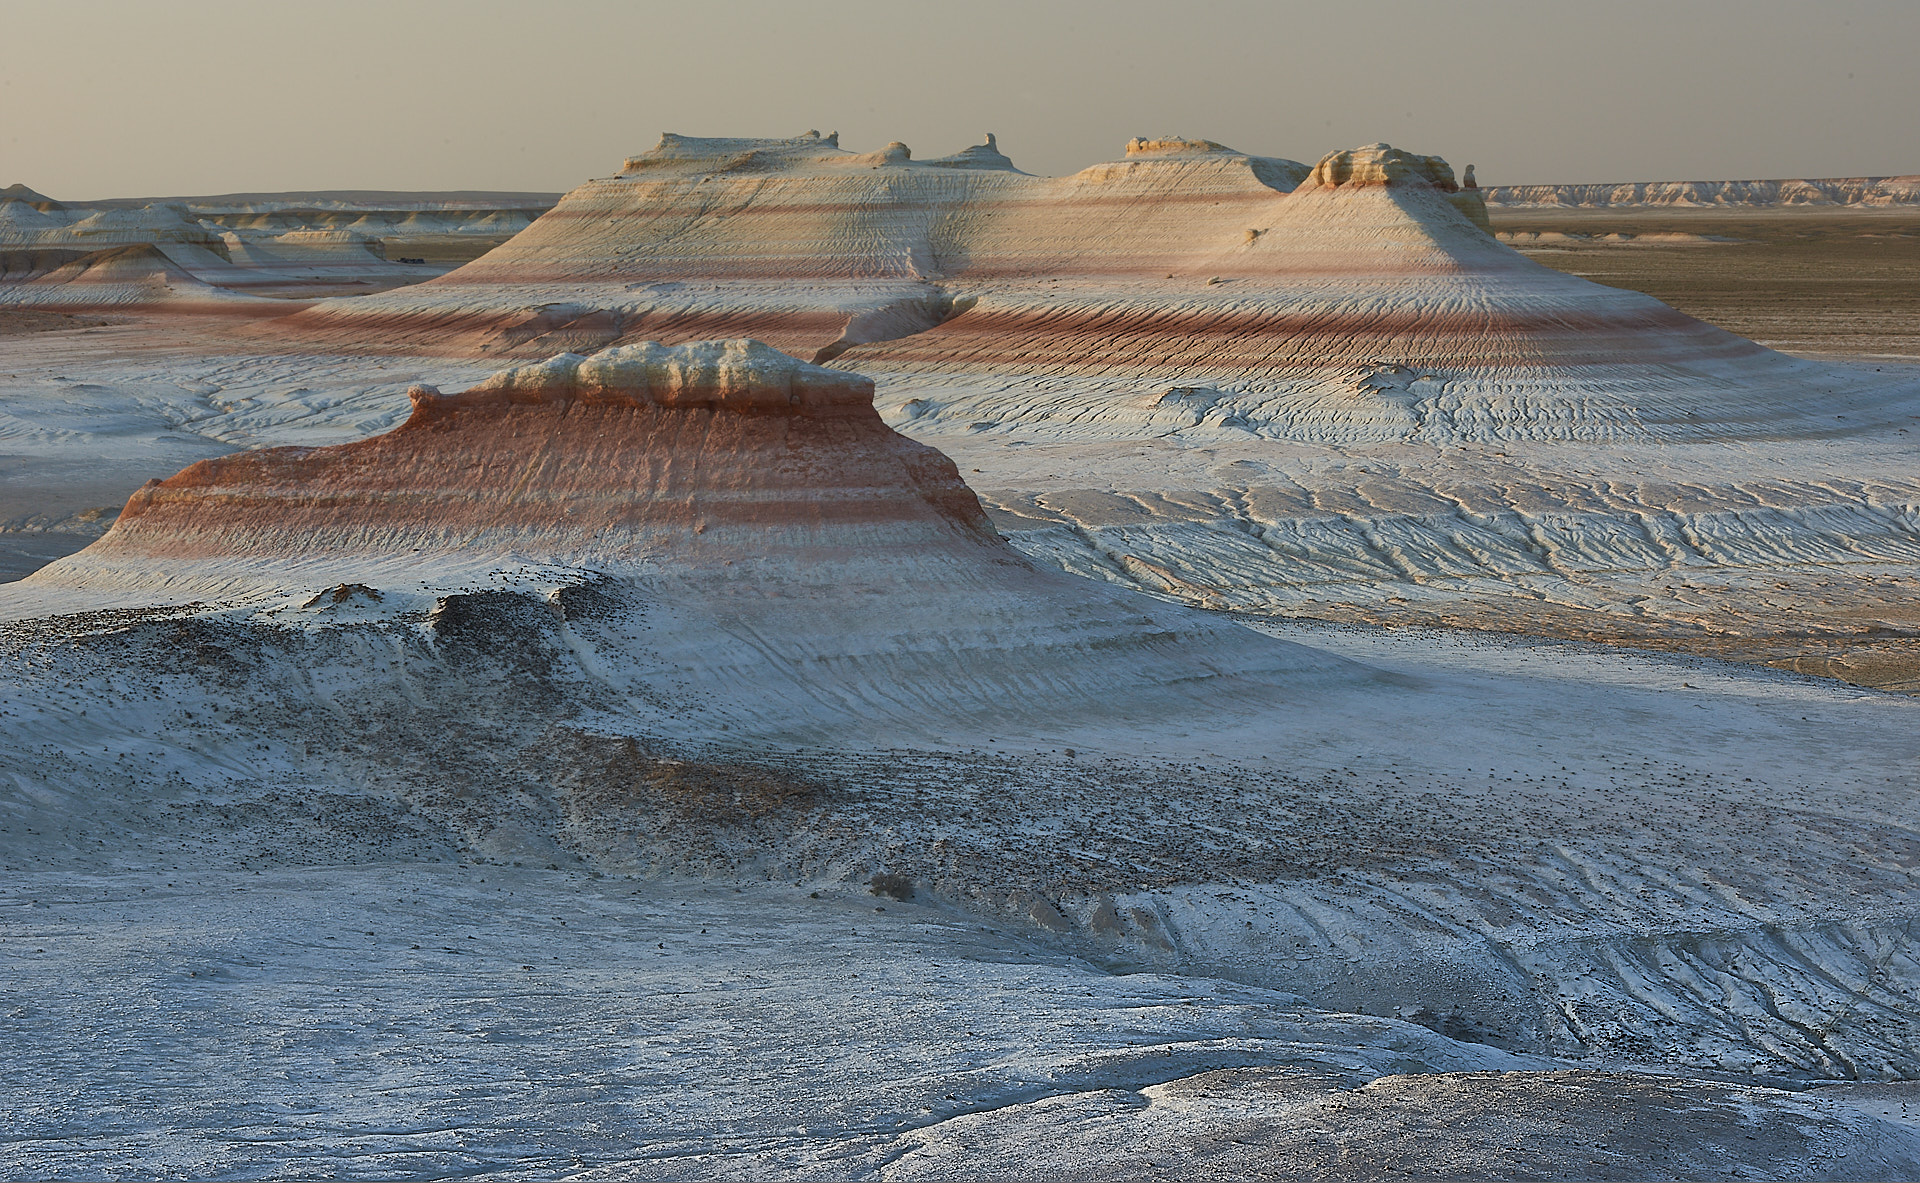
x=800 y=662
x=275 y=244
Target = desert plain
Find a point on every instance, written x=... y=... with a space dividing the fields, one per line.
x=800 y=662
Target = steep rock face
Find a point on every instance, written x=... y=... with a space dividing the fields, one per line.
x=1381 y=164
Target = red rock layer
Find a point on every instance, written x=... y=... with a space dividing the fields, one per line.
x=1184 y=263
x=727 y=450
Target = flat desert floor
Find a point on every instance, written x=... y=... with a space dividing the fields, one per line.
x=1819 y=283
x=1841 y=285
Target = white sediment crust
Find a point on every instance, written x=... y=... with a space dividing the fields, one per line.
x=1376 y=864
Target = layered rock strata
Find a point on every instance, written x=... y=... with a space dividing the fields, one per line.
x=1285 y=291
x=1257 y=308
x=722 y=448
x=808 y=568
x=116 y=277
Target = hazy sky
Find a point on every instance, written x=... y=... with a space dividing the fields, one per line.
x=105 y=98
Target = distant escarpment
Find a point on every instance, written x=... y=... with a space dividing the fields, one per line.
x=1863 y=192
x=284 y=244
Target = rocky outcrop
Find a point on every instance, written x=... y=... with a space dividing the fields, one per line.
x=729 y=153
x=1381 y=164
x=982 y=156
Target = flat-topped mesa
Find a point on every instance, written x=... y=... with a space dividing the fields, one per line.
x=823 y=236
x=1185 y=262
x=1141 y=146
x=794 y=563
x=720 y=450
x=1274 y=172
x=678 y=155
x=1868 y=192
x=1383 y=166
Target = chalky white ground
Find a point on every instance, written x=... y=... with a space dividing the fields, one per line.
x=1373 y=863
x=1503 y=850
x=1734 y=536
x=385 y=1022
x=1496 y=831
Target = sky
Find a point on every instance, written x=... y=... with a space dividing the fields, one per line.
x=125 y=98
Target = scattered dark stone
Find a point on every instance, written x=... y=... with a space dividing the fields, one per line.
x=899 y=887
